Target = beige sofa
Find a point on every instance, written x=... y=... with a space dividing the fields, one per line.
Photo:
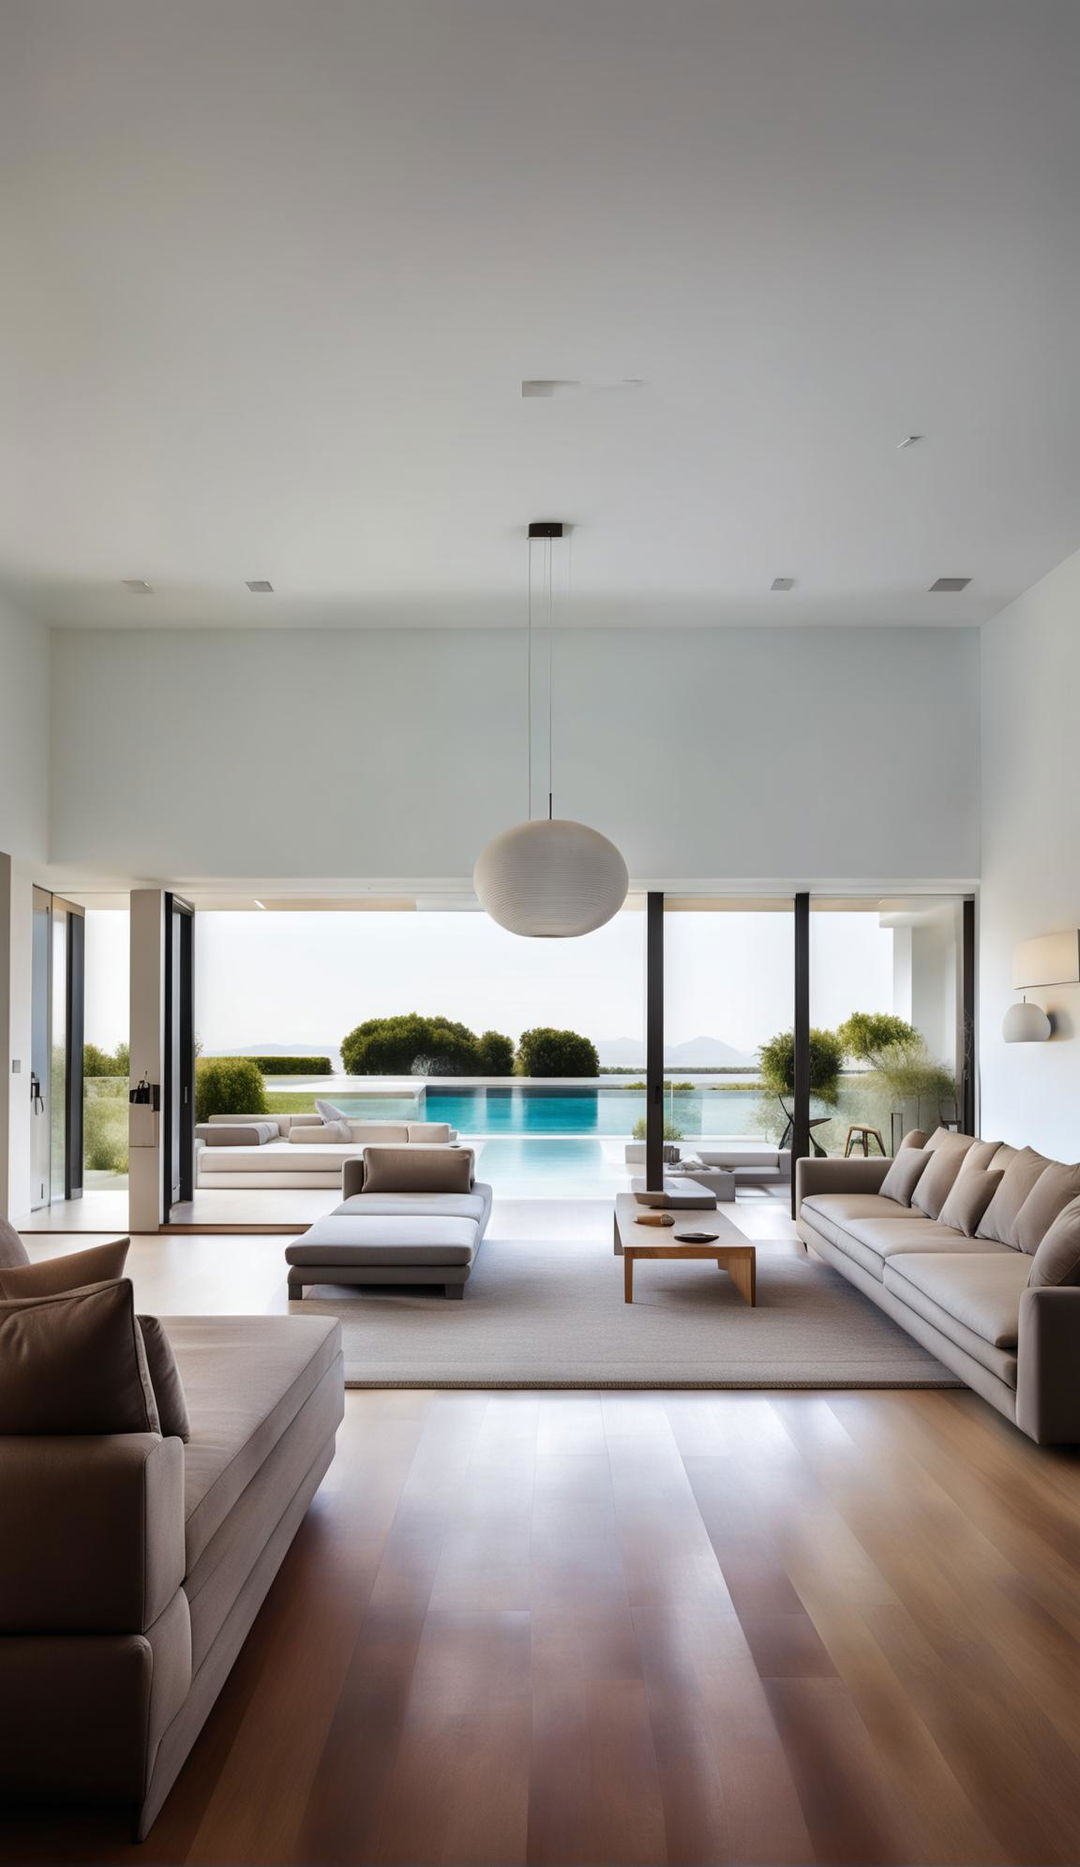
x=966 y=1298
x=132 y=1566
x=295 y=1152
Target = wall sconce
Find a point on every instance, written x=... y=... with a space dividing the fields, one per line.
x=1049 y=959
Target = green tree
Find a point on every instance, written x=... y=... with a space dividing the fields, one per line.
x=228 y=1086
x=898 y=1053
x=547 y=1052
x=98 y=1062
x=494 y=1054
x=867 y=1034
x=776 y=1061
x=410 y=1044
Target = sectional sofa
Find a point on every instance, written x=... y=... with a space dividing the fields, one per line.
x=295 y=1150
x=973 y=1247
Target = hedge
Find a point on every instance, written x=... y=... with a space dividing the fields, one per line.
x=228 y=1086
x=293 y=1066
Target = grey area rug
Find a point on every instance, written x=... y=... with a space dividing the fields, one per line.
x=551 y=1314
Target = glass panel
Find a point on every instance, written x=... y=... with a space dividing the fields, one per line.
x=105 y=1053
x=40 y=1057
x=886 y=1013
x=58 y=1054
x=728 y=991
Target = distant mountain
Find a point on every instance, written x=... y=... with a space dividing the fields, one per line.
x=702 y=1053
x=621 y=1053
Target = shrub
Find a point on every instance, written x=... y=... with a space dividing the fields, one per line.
x=105 y=1128
x=671 y=1132
x=545 y=1052
x=494 y=1054
x=777 y=1064
x=98 y=1062
x=293 y=1066
x=228 y=1086
x=410 y=1044
x=867 y=1033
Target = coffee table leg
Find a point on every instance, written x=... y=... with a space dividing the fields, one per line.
x=743 y=1274
x=628 y=1276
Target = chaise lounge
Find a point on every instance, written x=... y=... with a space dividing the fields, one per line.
x=408 y=1216
x=974 y=1248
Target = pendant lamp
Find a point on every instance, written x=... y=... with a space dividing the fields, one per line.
x=550 y=878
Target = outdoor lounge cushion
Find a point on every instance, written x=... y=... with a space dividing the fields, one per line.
x=280 y=1157
x=432 y=1132
x=326 y=1134
x=329 y=1111
x=999 y=1219
x=238 y=1134
x=971 y=1298
x=472 y=1205
x=98 y=1264
x=349 y=1238
x=1057 y=1260
x=417 y=1170
x=904 y=1174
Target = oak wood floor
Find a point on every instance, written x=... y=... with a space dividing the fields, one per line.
x=632 y=1628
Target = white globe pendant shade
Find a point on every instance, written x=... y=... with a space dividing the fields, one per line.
x=1025 y=1024
x=551 y=879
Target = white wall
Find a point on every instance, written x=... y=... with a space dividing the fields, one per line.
x=1031 y=854
x=24 y=735
x=818 y=754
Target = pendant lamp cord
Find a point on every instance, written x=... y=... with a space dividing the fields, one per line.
x=550 y=683
x=529 y=679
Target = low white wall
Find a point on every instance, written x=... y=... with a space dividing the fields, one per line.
x=1031 y=855
x=738 y=753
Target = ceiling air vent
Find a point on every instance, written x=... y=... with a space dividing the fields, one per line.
x=951 y=584
x=782 y=583
x=137 y=586
x=260 y=586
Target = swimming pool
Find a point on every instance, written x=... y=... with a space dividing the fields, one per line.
x=529 y=1109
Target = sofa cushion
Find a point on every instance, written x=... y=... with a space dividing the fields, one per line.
x=325 y=1134
x=999 y=1219
x=12 y=1249
x=1057 y=1260
x=473 y=1205
x=903 y=1176
x=279 y=1157
x=980 y=1155
x=237 y=1134
x=388 y=1133
x=871 y=1242
x=972 y=1191
x=98 y=1264
x=949 y=1137
x=837 y=1211
x=936 y=1183
x=1056 y=1187
x=165 y=1380
x=418 y=1169
x=74 y=1362
x=246 y=1378
x=359 y=1238
x=433 y=1132
x=915 y=1137
x=981 y=1292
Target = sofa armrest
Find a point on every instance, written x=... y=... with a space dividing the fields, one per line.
x=854 y=1175
x=1048 y=1365
x=352 y=1177
x=91 y=1532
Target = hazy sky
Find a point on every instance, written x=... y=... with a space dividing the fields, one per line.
x=306 y=979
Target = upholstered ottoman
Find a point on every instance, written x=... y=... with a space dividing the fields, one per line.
x=412 y=1233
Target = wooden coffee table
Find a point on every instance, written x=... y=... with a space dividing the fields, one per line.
x=731 y=1250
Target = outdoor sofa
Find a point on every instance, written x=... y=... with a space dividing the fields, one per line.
x=974 y=1249
x=296 y=1150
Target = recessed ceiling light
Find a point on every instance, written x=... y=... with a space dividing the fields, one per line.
x=952 y=584
x=137 y=586
x=909 y=440
x=260 y=586
x=782 y=583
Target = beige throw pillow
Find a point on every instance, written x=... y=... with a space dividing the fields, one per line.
x=948 y=1137
x=322 y=1135
x=418 y=1169
x=74 y=1363
x=903 y=1176
x=935 y=1185
x=999 y=1219
x=914 y=1137
x=99 y=1264
x=1055 y=1188
x=972 y=1191
x=981 y=1154
x=165 y=1379
x=12 y=1249
x=1057 y=1260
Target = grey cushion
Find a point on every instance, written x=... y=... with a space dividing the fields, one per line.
x=936 y=1183
x=238 y=1134
x=1056 y=1187
x=430 y=1131
x=74 y=1363
x=981 y=1292
x=473 y=1205
x=12 y=1249
x=999 y=1219
x=948 y=1137
x=165 y=1380
x=972 y=1191
x=349 y=1238
x=246 y=1378
x=903 y=1176
x=1057 y=1260
x=413 y=1169
x=47 y=1277
x=981 y=1154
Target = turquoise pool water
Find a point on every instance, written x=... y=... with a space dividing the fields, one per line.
x=534 y=1111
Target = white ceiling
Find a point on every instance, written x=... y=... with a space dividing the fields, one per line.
x=274 y=273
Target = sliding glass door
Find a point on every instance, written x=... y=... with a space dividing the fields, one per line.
x=178 y=1073
x=56 y=1057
